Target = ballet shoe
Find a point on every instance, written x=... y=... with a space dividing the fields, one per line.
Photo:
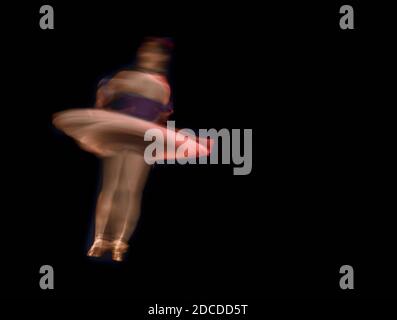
x=119 y=249
x=99 y=248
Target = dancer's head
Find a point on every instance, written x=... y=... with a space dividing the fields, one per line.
x=154 y=54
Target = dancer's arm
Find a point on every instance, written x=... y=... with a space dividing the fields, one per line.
x=104 y=93
x=107 y=88
x=100 y=98
x=166 y=97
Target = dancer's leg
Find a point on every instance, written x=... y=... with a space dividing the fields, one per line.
x=134 y=173
x=111 y=173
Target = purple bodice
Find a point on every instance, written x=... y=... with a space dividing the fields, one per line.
x=138 y=106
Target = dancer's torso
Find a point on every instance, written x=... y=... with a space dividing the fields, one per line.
x=138 y=94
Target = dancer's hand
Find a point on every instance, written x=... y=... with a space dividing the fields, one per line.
x=163 y=117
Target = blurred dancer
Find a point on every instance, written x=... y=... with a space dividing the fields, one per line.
x=144 y=93
x=127 y=105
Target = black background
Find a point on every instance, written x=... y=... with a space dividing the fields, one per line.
x=320 y=194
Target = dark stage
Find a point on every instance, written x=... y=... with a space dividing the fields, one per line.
x=321 y=191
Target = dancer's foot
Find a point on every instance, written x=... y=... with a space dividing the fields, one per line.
x=99 y=247
x=119 y=250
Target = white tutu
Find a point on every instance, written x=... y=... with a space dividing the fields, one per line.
x=107 y=133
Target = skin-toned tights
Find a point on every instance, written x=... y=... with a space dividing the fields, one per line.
x=119 y=202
